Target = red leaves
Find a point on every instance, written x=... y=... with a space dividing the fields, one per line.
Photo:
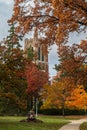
x=35 y=78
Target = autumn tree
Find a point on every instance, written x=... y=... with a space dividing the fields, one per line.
x=54 y=18
x=12 y=69
x=36 y=78
x=59 y=96
x=73 y=63
x=53 y=96
x=77 y=99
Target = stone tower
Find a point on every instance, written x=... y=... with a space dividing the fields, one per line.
x=40 y=50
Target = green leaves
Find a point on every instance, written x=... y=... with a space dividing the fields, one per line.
x=12 y=71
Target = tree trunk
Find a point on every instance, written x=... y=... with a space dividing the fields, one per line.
x=63 y=111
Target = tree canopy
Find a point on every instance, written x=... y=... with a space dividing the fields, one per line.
x=54 y=18
x=58 y=96
x=73 y=63
x=12 y=73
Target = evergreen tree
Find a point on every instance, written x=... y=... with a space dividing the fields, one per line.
x=12 y=76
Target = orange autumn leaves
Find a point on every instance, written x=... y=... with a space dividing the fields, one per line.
x=78 y=98
x=56 y=96
x=56 y=18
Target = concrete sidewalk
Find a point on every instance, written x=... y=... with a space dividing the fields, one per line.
x=74 y=125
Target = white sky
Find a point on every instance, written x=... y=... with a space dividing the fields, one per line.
x=5 y=14
x=9 y=2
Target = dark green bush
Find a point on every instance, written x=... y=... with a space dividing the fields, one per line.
x=59 y=112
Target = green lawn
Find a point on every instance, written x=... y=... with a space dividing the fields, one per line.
x=83 y=126
x=49 y=123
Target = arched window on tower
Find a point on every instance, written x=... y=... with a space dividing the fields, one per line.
x=42 y=57
x=38 y=53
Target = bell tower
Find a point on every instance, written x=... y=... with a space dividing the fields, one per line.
x=40 y=49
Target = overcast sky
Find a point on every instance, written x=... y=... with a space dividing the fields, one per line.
x=5 y=14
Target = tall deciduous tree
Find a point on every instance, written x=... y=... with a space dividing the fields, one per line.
x=55 y=18
x=36 y=78
x=73 y=63
x=54 y=96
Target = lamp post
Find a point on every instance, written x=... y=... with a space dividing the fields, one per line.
x=36 y=107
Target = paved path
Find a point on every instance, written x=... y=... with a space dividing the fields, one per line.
x=74 y=125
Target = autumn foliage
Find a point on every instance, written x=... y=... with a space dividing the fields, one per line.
x=73 y=63
x=36 y=78
x=54 y=18
x=77 y=99
x=12 y=77
x=58 y=96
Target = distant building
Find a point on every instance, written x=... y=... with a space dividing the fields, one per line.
x=41 y=51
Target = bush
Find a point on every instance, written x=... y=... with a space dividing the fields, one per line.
x=52 y=111
x=59 y=112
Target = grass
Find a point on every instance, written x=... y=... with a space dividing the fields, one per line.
x=49 y=123
x=83 y=126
